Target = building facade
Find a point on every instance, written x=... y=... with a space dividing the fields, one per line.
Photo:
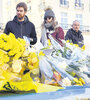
x=66 y=12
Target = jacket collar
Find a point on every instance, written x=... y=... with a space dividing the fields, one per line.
x=75 y=31
x=25 y=19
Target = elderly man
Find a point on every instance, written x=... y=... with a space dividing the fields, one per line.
x=74 y=34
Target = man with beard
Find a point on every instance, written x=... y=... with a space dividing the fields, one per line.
x=50 y=26
x=74 y=34
x=21 y=26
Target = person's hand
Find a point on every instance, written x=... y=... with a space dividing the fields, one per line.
x=80 y=43
x=31 y=39
x=56 y=30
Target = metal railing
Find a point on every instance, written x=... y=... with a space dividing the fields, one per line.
x=64 y=26
x=82 y=27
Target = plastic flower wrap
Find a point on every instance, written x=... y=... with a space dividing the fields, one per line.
x=79 y=70
x=9 y=76
x=45 y=67
x=51 y=73
x=74 y=49
x=55 y=44
x=78 y=59
x=47 y=74
x=60 y=59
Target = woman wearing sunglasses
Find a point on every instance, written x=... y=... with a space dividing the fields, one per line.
x=50 y=26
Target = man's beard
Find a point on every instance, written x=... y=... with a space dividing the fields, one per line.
x=20 y=17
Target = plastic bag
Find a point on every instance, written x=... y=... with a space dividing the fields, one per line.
x=25 y=85
x=45 y=67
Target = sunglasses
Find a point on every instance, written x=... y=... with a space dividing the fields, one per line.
x=49 y=17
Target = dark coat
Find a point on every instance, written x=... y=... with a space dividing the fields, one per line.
x=75 y=37
x=20 y=29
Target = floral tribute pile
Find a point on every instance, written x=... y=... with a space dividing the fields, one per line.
x=56 y=66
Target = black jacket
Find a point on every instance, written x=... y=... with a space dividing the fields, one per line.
x=75 y=37
x=20 y=29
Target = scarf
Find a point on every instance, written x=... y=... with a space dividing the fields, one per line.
x=47 y=27
x=43 y=39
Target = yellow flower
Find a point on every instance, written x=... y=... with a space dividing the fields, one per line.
x=71 y=43
x=16 y=47
x=17 y=65
x=22 y=70
x=25 y=53
x=11 y=53
x=76 y=80
x=49 y=43
x=83 y=47
x=22 y=41
x=33 y=61
x=41 y=53
x=80 y=83
x=67 y=41
x=17 y=56
x=80 y=79
x=5 y=66
x=76 y=45
x=7 y=46
x=30 y=67
x=4 y=37
x=11 y=36
x=73 y=73
x=2 y=44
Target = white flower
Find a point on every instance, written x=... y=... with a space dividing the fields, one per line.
x=66 y=81
x=17 y=65
x=62 y=65
x=82 y=69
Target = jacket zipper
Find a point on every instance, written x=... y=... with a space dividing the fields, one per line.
x=21 y=31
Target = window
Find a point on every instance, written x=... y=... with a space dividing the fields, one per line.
x=9 y=15
x=29 y=6
x=78 y=3
x=9 y=2
x=16 y=0
x=79 y=18
x=64 y=20
x=64 y=2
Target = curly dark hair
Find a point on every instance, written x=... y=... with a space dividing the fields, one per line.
x=22 y=4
